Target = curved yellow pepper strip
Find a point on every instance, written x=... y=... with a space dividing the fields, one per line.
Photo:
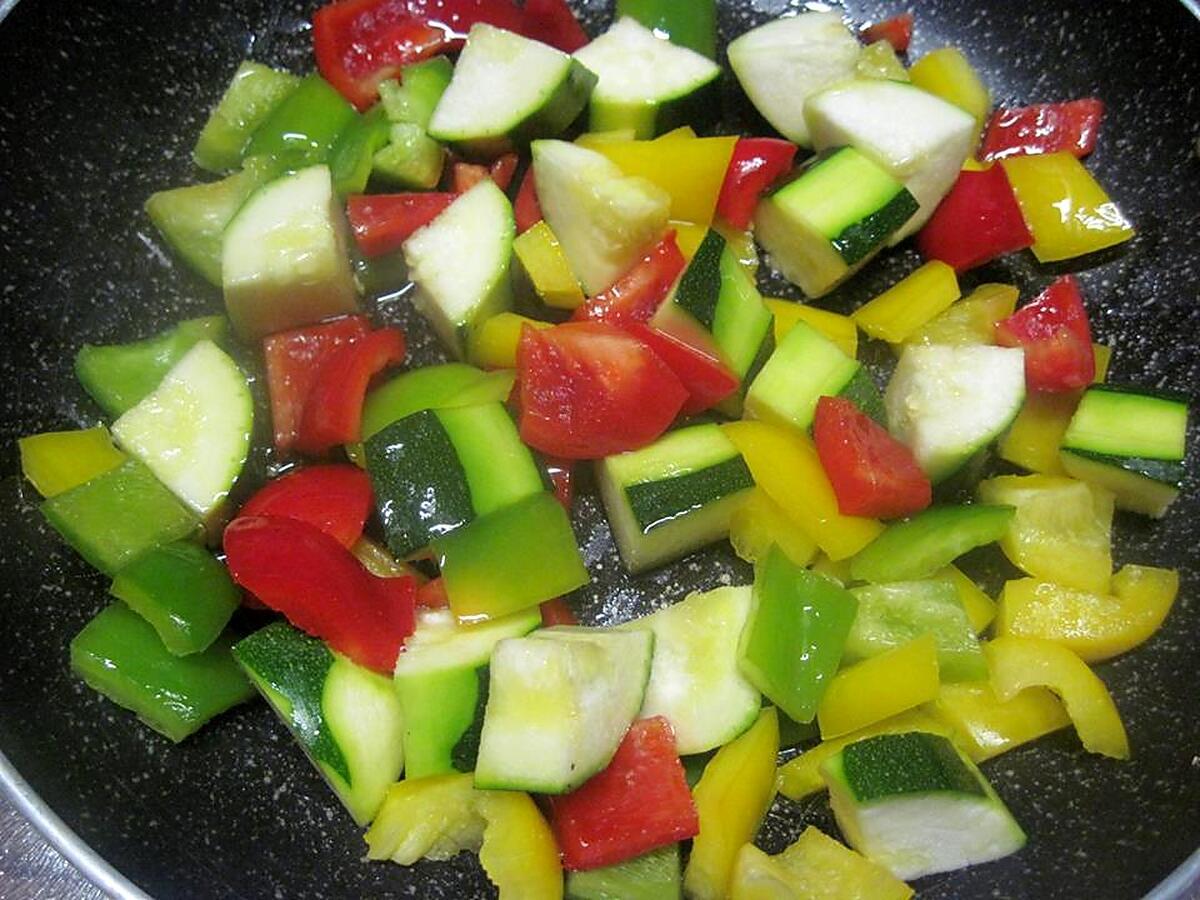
x=986 y=727
x=519 y=853
x=879 y=687
x=1019 y=663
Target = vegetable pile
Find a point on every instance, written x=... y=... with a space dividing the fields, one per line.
x=401 y=594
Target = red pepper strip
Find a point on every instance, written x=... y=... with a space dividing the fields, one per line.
x=636 y=295
x=708 y=380
x=553 y=23
x=561 y=473
x=333 y=498
x=871 y=472
x=333 y=410
x=380 y=223
x=292 y=359
x=503 y=169
x=755 y=164
x=978 y=221
x=1044 y=128
x=296 y=569
x=526 y=209
x=1054 y=331
x=466 y=176
x=556 y=612
x=640 y=802
x=432 y=595
x=897 y=31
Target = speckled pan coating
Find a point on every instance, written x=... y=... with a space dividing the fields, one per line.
x=99 y=105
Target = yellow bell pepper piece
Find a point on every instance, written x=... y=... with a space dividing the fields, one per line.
x=1033 y=440
x=1095 y=626
x=901 y=310
x=493 y=345
x=689 y=237
x=690 y=170
x=1062 y=529
x=732 y=797
x=1019 y=663
x=545 y=265
x=980 y=608
x=986 y=727
x=785 y=465
x=815 y=866
x=972 y=320
x=879 y=60
x=426 y=818
x=1067 y=211
x=801 y=777
x=519 y=853
x=838 y=328
x=879 y=688
x=971 y=164
x=57 y=461
x=1103 y=356
x=759 y=522
x=946 y=73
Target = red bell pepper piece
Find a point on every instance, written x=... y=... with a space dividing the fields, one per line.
x=333 y=409
x=556 y=612
x=897 y=31
x=466 y=175
x=756 y=163
x=708 y=380
x=502 y=170
x=333 y=498
x=296 y=569
x=1043 y=128
x=587 y=390
x=640 y=802
x=553 y=23
x=561 y=472
x=636 y=295
x=526 y=209
x=871 y=472
x=380 y=223
x=432 y=594
x=292 y=359
x=1053 y=330
x=978 y=221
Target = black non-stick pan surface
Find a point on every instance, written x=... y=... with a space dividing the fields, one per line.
x=100 y=102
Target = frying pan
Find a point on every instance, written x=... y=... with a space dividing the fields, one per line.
x=100 y=101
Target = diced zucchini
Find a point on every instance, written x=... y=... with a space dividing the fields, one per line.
x=506 y=91
x=645 y=83
x=460 y=263
x=193 y=430
x=284 y=260
x=879 y=60
x=1130 y=441
x=695 y=681
x=947 y=403
x=603 y=218
x=253 y=93
x=913 y=803
x=415 y=95
x=822 y=227
x=427 y=387
x=559 y=702
x=919 y=547
x=347 y=718
x=652 y=876
x=782 y=63
x=673 y=496
x=921 y=140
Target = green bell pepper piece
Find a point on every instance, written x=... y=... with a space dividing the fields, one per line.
x=411 y=160
x=302 y=130
x=253 y=93
x=656 y=875
x=689 y=23
x=119 y=654
x=415 y=95
x=354 y=151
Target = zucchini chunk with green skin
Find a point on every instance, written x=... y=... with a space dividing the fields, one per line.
x=414 y=96
x=695 y=681
x=921 y=140
x=604 y=219
x=922 y=546
x=559 y=702
x=915 y=804
x=1130 y=441
x=119 y=515
x=193 y=430
x=673 y=496
x=347 y=718
x=252 y=95
x=646 y=84
x=822 y=227
x=438 y=469
x=181 y=590
x=119 y=654
x=118 y=376
x=948 y=403
x=284 y=261
x=506 y=91
x=656 y=875
x=890 y=615
x=793 y=639
x=782 y=63
x=510 y=559
x=441 y=679
x=460 y=261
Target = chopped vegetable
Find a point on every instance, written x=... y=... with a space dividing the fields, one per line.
x=706 y=378
x=493 y=345
x=759 y=523
x=838 y=328
x=382 y=223
x=252 y=95
x=756 y=164
x=518 y=851
x=1043 y=128
x=879 y=688
x=978 y=221
x=946 y=73
x=691 y=25
x=56 y=461
x=334 y=498
x=1053 y=331
x=909 y=304
x=986 y=727
x=635 y=296
x=918 y=547
x=969 y=321
x=652 y=876
x=541 y=261
x=414 y=95
x=897 y=31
